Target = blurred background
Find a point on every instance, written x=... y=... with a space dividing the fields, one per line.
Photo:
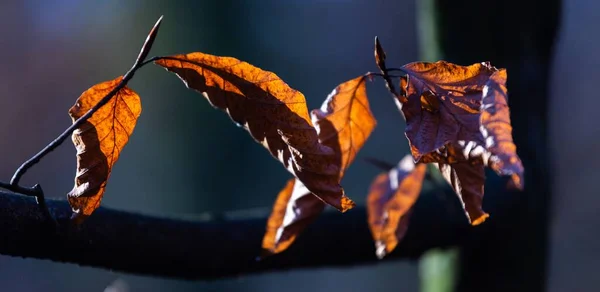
x=187 y=158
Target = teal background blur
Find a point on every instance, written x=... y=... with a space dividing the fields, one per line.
x=185 y=157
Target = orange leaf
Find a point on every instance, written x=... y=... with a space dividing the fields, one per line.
x=390 y=200
x=497 y=130
x=467 y=179
x=275 y=115
x=295 y=208
x=99 y=141
x=344 y=122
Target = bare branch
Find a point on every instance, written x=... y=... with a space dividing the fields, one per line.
x=208 y=249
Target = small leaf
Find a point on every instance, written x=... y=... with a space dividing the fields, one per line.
x=99 y=141
x=344 y=122
x=497 y=130
x=295 y=208
x=467 y=179
x=443 y=105
x=273 y=113
x=390 y=200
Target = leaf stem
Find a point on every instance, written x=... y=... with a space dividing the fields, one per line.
x=14 y=182
x=155 y=58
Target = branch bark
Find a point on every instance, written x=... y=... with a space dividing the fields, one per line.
x=209 y=249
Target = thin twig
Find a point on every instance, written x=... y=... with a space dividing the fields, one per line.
x=14 y=182
x=383 y=165
x=380 y=61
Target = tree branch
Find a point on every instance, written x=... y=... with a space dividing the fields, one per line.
x=209 y=249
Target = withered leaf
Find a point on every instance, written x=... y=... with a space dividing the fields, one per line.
x=344 y=122
x=458 y=117
x=389 y=203
x=443 y=105
x=273 y=113
x=99 y=141
x=497 y=130
x=467 y=179
x=295 y=208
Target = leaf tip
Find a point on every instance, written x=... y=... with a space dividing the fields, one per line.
x=516 y=182
x=380 y=249
x=267 y=252
x=346 y=204
x=480 y=220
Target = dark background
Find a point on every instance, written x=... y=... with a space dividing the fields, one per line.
x=186 y=158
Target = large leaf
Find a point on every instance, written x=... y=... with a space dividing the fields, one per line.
x=344 y=122
x=275 y=115
x=389 y=202
x=443 y=105
x=497 y=130
x=99 y=141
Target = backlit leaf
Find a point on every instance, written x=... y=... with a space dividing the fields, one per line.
x=497 y=130
x=295 y=208
x=458 y=117
x=273 y=113
x=443 y=105
x=344 y=122
x=389 y=203
x=467 y=179
x=99 y=141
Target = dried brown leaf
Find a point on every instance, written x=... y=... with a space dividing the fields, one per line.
x=344 y=122
x=273 y=113
x=467 y=179
x=295 y=208
x=458 y=117
x=389 y=203
x=99 y=141
x=497 y=130
x=443 y=105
